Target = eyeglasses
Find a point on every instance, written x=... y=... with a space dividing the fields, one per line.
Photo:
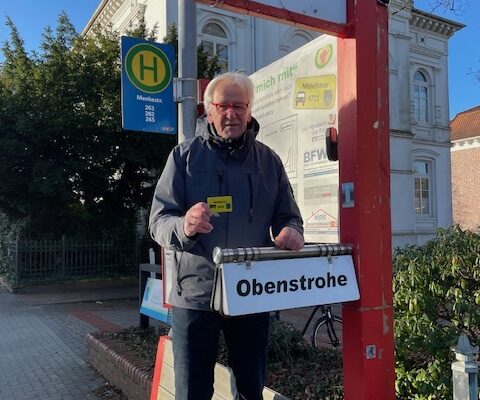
x=238 y=108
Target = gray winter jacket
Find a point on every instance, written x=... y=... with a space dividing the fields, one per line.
x=206 y=166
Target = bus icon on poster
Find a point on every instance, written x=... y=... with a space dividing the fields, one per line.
x=301 y=97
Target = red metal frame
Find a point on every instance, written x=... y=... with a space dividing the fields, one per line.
x=364 y=161
x=257 y=9
x=368 y=350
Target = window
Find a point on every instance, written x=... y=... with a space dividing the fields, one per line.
x=215 y=43
x=295 y=38
x=420 y=97
x=423 y=188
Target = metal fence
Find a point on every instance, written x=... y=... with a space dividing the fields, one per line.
x=39 y=260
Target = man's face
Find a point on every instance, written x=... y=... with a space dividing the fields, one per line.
x=229 y=96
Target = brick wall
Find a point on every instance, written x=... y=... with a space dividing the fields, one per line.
x=121 y=368
x=466 y=188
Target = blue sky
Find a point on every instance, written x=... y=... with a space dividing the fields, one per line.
x=32 y=16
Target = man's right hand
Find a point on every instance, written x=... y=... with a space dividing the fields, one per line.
x=197 y=220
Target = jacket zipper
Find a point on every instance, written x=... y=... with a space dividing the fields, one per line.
x=179 y=278
x=226 y=192
x=220 y=180
x=250 y=194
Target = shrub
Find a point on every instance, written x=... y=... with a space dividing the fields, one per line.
x=9 y=232
x=300 y=371
x=436 y=297
x=295 y=368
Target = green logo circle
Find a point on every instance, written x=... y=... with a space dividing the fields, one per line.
x=148 y=68
x=323 y=56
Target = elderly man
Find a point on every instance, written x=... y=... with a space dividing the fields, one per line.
x=223 y=160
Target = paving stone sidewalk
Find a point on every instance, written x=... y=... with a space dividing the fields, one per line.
x=42 y=339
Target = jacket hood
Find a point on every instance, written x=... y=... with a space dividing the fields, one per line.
x=237 y=148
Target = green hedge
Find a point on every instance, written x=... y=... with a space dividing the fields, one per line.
x=436 y=297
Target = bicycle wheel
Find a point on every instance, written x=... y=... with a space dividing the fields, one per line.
x=327 y=332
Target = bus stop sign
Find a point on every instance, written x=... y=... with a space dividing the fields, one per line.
x=147 y=86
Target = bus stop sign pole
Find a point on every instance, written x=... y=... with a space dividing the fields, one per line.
x=364 y=168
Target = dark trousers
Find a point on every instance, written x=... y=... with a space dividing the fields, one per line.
x=195 y=346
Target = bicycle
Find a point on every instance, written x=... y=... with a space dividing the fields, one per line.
x=327 y=321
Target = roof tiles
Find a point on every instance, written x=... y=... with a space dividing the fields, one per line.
x=466 y=124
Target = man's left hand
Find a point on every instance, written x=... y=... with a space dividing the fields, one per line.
x=289 y=239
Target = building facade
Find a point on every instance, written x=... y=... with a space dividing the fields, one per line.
x=419 y=123
x=465 y=128
x=418 y=65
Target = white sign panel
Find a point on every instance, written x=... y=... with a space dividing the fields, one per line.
x=295 y=102
x=168 y=266
x=270 y=285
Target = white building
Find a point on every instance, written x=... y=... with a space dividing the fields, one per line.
x=419 y=113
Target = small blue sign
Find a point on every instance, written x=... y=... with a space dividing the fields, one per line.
x=147 y=86
x=152 y=302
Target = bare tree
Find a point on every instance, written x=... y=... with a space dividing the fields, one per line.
x=458 y=7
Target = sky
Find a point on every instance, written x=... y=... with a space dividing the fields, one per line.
x=32 y=16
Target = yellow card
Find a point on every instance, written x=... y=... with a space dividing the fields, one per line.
x=220 y=204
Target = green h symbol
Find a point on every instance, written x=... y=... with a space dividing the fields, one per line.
x=144 y=67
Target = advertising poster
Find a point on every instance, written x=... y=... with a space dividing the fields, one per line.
x=295 y=102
